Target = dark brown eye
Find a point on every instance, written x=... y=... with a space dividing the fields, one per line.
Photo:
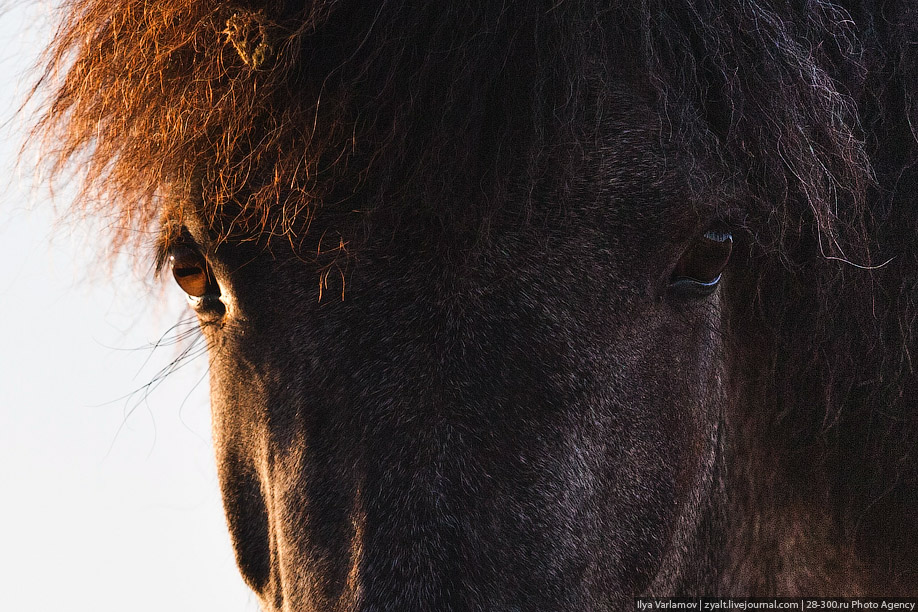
x=191 y=271
x=698 y=272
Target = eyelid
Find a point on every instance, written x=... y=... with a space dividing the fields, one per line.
x=689 y=287
x=171 y=239
x=718 y=235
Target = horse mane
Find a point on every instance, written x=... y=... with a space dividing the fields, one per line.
x=263 y=117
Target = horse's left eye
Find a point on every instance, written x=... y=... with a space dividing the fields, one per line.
x=699 y=270
x=190 y=270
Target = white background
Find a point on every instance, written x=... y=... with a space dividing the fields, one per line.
x=108 y=495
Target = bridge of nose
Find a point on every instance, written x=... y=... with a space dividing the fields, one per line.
x=422 y=445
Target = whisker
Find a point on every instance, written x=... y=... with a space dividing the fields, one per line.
x=138 y=397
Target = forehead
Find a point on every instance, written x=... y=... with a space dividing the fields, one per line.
x=507 y=118
x=613 y=162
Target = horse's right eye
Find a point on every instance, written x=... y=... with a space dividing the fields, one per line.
x=191 y=271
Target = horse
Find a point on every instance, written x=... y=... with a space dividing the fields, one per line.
x=528 y=305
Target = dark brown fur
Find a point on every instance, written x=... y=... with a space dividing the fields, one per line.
x=429 y=154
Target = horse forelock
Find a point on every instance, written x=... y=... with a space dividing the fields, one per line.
x=257 y=115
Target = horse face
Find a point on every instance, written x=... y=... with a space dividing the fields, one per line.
x=520 y=417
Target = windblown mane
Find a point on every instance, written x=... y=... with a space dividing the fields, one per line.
x=267 y=117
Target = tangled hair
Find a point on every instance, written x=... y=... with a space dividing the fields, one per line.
x=264 y=117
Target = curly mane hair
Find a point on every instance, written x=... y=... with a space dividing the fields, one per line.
x=263 y=117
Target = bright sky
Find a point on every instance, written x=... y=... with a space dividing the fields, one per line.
x=109 y=497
